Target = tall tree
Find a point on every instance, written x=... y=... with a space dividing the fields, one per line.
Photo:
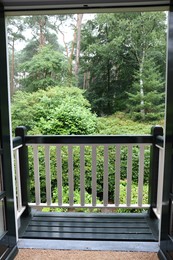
x=151 y=99
x=78 y=29
x=144 y=35
x=15 y=34
x=72 y=48
x=47 y=68
x=38 y=26
x=114 y=47
x=43 y=30
x=102 y=66
x=39 y=33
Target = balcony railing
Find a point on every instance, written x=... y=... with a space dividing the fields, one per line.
x=43 y=148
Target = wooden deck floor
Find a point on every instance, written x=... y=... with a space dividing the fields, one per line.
x=82 y=226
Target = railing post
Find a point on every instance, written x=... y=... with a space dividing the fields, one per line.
x=154 y=169
x=24 y=169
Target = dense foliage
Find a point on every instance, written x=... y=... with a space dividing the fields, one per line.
x=118 y=58
x=47 y=68
x=124 y=55
x=58 y=110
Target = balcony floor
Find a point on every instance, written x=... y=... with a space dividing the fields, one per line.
x=90 y=226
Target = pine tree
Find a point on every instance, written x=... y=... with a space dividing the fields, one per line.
x=148 y=104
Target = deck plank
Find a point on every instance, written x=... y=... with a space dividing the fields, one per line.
x=94 y=220
x=91 y=215
x=93 y=236
x=89 y=224
x=101 y=227
x=100 y=230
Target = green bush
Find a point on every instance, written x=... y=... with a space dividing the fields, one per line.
x=120 y=124
x=134 y=197
x=56 y=111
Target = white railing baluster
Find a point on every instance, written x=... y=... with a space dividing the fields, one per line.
x=160 y=180
x=18 y=181
x=129 y=174
x=141 y=174
x=59 y=173
x=48 y=174
x=94 y=175
x=105 y=176
x=70 y=175
x=104 y=155
x=36 y=175
x=117 y=175
x=82 y=175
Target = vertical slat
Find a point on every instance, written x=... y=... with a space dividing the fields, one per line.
x=18 y=182
x=36 y=175
x=141 y=174
x=70 y=175
x=48 y=174
x=24 y=169
x=105 y=177
x=59 y=173
x=15 y=199
x=82 y=175
x=94 y=175
x=117 y=175
x=160 y=180
x=129 y=174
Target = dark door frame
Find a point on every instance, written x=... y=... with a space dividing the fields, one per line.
x=166 y=244
x=9 y=239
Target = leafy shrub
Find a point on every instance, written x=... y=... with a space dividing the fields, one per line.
x=120 y=124
x=59 y=110
x=134 y=196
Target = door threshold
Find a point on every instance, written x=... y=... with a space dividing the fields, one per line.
x=46 y=244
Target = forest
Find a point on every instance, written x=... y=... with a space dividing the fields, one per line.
x=88 y=74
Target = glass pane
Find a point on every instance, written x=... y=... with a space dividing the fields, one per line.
x=1 y=184
x=171 y=220
x=2 y=218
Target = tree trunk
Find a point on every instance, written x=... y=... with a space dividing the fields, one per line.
x=12 y=71
x=42 y=38
x=78 y=31
x=70 y=60
x=141 y=68
x=108 y=89
x=86 y=80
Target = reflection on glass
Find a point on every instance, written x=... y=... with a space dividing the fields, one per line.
x=2 y=220
x=1 y=187
x=171 y=220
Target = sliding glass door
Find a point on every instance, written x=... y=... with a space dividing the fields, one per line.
x=8 y=247
x=7 y=216
x=3 y=229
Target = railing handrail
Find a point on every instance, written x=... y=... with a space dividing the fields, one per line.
x=17 y=141
x=160 y=141
x=89 y=139
x=154 y=140
x=155 y=165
